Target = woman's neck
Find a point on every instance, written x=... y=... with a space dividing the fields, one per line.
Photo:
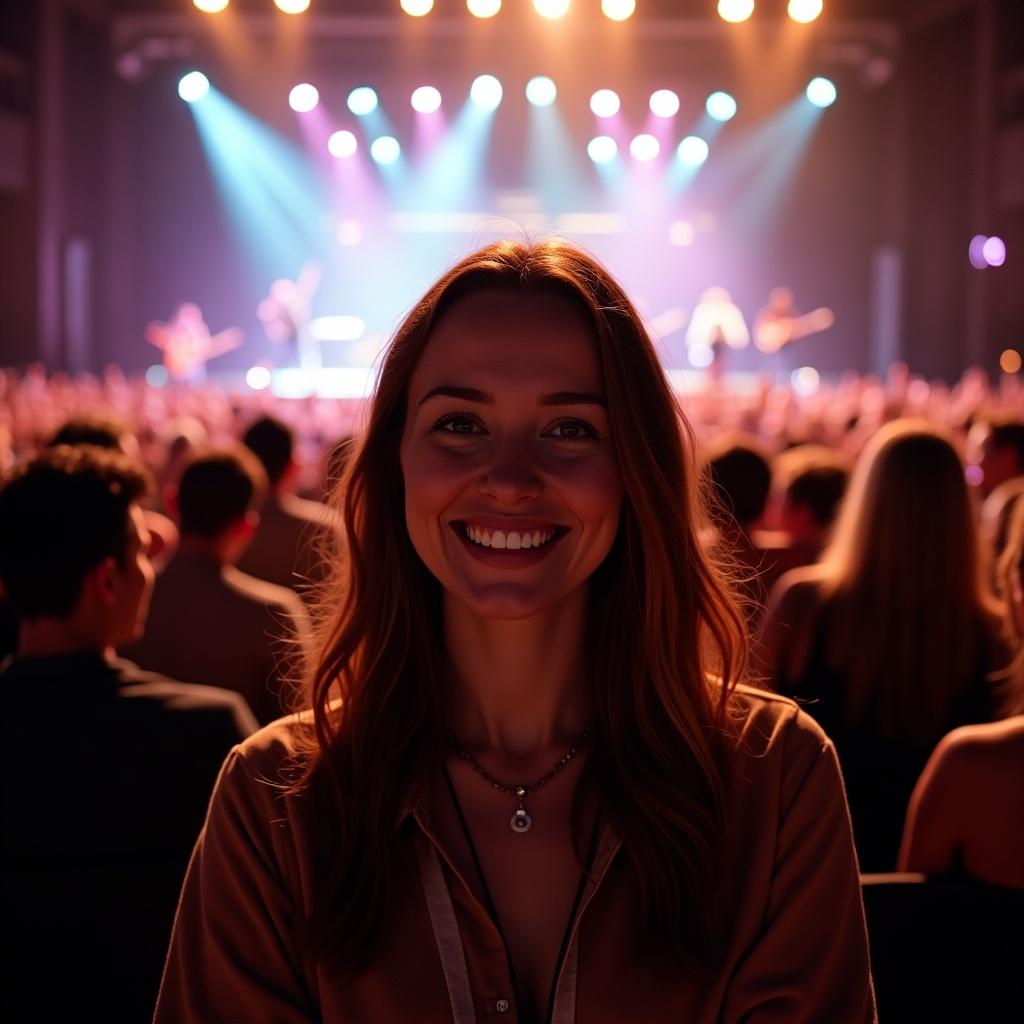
x=519 y=686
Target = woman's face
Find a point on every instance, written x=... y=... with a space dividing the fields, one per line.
x=512 y=489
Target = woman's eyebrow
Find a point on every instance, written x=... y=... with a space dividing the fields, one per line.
x=555 y=398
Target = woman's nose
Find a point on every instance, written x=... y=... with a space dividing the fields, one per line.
x=511 y=476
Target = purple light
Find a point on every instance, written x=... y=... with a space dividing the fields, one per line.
x=976 y=252
x=994 y=251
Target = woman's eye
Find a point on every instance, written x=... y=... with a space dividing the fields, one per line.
x=573 y=430
x=458 y=424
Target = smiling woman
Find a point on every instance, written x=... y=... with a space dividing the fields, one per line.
x=531 y=782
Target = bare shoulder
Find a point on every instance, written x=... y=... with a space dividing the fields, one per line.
x=979 y=748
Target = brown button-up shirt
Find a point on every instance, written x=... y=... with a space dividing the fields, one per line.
x=797 y=949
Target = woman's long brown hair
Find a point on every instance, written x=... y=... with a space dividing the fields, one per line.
x=667 y=642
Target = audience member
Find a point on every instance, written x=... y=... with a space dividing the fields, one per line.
x=967 y=811
x=209 y=621
x=107 y=769
x=890 y=641
x=740 y=473
x=292 y=543
x=815 y=480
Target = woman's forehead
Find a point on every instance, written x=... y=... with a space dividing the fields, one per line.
x=499 y=330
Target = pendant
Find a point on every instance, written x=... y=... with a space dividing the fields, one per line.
x=521 y=821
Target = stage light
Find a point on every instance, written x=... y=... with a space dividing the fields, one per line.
x=604 y=103
x=156 y=376
x=483 y=8
x=486 y=92
x=644 y=147
x=193 y=86
x=342 y=144
x=292 y=6
x=210 y=6
x=735 y=10
x=303 y=98
x=362 y=101
x=385 y=149
x=541 y=91
x=618 y=10
x=337 y=328
x=258 y=378
x=804 y=10
x=805 y=381
x=664 y=103
x=693 y=151
x=350 y=232
x=821 y=92
x=1010 y=361
x=602 y=149
x=976 y=252
x=426 y=99
x=994 y=251
x=720 y=106
x=551 y=8
x=417 y=8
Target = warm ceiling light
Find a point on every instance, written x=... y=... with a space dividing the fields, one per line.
x=483 y=8
x=417 y=8
x=735 y=10
x=292 y=6
x=551 y=8
x=804 y=10
x=618 y=10
x=210 y=6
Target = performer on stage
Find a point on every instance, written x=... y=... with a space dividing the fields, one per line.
x=716 y=324
x=187 y=345
x=778 y=324
x=285 y=315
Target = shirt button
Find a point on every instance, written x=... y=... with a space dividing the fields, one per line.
x=501 y=1006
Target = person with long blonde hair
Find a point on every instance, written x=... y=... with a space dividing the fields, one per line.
x=891 y=640
x=530 y=785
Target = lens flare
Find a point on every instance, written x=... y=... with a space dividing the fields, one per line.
x=385 y=149
x=362 y=101
x=804 y=10
x=551 y=9
x=483 y=8
x=426 y=99
x=644 y=147
x=417 y=8
x=693 y=151
x=664 y=103
x=605 y=103
x=342 y=144
x=821 y=92
x=303 y=98
x=618 y=10
x=602 y=149
x=486 y=92
x=541 y=91
x=193 y=86
x=735 y=10
x=720 y=106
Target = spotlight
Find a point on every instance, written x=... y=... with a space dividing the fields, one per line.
x=426 y=99
x=483 y=8
x=156 y=376
x=1010 y=361
x=693 y=151
x=618 y=10
x=994 y=251
x=644 y=147
x=342 y=144
x=303 y=98
x=257 y=377
x=210 y=6
x=821 y=92
x=604 y=103
x=664 y=103
x=551 y=8
x=541 y=91
x=976 y=252
x=602 y=149
x=385 y=149
x=735 y=10
x=292 y=6
x=362 y=101
x=193 y=86
x=720 y=106
x=417 y=8
x=804 y=10
x=805 y=381
x=486 y=92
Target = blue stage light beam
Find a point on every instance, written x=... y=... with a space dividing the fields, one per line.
x=272 y=195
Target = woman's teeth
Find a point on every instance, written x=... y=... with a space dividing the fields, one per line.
x=510 y=540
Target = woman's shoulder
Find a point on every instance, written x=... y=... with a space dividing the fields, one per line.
x=274 y=754
x=768 y=725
